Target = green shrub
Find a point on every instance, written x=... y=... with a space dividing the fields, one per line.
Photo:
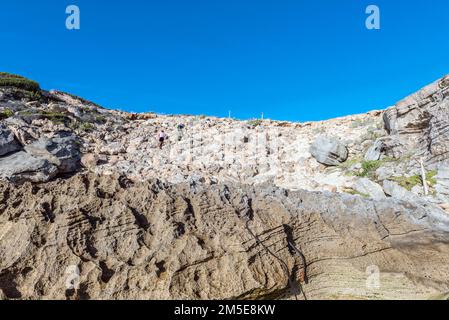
x=55 y=117
x=11 y=80
x=410 y=182
x=407 y=182
x=356 y=124
x=10 y=75
x=355 y=192
x=100 y=119
x=431 y=177
x=6 y=113
x=369 y=168
x=349 y=163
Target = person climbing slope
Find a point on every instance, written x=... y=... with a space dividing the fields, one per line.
x=162 y=138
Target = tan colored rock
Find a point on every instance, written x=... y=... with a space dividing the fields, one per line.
x=130 y=236
x=156 y=241
x=89 y=161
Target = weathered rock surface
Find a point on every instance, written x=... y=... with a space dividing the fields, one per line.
x=375 y=151
x=62 y=150
x=421 y=121
x=150 y=240
x=394 y=190
x=329 y=151
x=367 y=187
x=89 y=161
x=21 y=167
x=8 y=142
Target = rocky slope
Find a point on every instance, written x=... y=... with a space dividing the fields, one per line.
x=91 y=207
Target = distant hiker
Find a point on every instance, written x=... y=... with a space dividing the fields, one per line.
x=162 y=137
x=180 y=127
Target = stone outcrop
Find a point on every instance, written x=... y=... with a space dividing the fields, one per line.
x=226 y=209
x=92 y=237
x=394 y=190
x=329 y=151
x=369 y=188
x=375 y=151
x=62 y=151
x=8 y=142
x=421 y=121
x=21 y=167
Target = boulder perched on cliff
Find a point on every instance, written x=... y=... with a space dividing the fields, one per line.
x=329 y=151
x=8 y=143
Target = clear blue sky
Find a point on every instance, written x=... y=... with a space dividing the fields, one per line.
x=293 y=60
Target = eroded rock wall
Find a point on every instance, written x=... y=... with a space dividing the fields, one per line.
x=150 y=240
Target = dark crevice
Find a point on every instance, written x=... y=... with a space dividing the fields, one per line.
x=292 y=248
x=124 y=182
x=190 y=212
x=6 y=195
x=48 y=214
x=106 y=273
x=16 y=204
x=103 y=194
x=82 y=292
x=70 y=293
x=180 y=229
x=85 y=181
x=140 y=219
x=9 y=286
x=160 y=268
x=93 y=221
x=201 y=243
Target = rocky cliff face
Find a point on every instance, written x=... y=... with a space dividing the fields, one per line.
x=91 y=208
x=420 y=122
x=149 y=240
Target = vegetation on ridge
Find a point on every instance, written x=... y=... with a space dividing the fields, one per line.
x=12 y=80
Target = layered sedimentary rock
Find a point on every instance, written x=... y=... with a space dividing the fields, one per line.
x=422 y=121
x=108 y=238
x=91 y=208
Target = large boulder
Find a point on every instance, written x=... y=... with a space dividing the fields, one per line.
x=8 y=143
x=62 y=151
x=329 y=151
x=21 y=166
